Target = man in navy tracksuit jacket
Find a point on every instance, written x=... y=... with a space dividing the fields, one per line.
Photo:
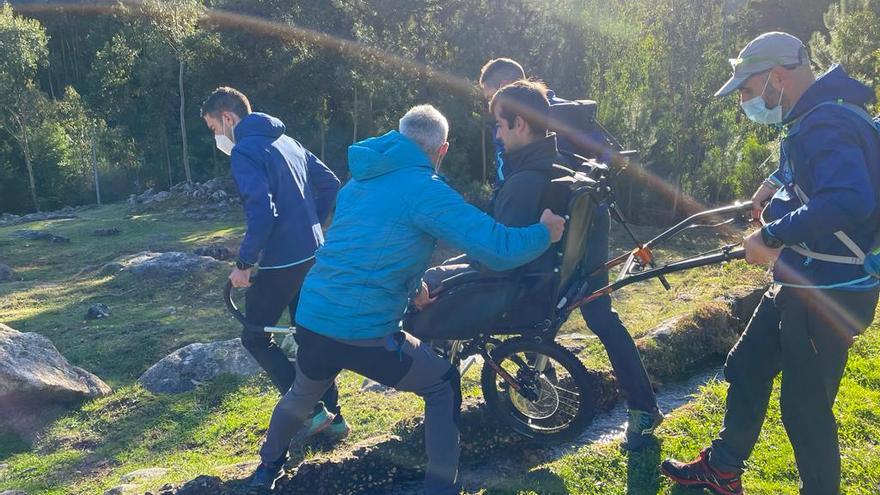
x=287 y=194
x=823 y=212
x=600 y=317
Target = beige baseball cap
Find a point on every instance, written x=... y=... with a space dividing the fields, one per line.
x=762 y=54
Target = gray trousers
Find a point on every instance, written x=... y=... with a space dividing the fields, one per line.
x=398 y=360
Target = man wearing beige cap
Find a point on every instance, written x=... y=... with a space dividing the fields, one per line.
x=821 y=218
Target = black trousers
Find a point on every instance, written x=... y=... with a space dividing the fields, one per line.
x=804 y=334
x=271 y=293
x=398 y=360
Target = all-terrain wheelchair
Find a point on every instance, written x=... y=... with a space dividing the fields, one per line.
x=535 y=385
x=511 y=320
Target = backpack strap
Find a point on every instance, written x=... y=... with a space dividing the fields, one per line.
x=847 y=241
x=859 y=254
x=858 y=110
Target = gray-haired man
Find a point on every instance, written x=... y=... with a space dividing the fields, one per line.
x=387 y=222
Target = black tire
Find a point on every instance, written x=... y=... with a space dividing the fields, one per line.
x=541 y=420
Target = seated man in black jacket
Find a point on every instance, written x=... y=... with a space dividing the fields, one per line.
x=529 y=153
x=521 y=110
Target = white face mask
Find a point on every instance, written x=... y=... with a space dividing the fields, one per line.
x=438 y=164
x=223 y=142
x=756 y=109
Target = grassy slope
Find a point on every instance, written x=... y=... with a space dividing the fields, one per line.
x=603 y=469
x=210 y=430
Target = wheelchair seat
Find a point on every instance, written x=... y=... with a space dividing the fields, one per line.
x=523 y=301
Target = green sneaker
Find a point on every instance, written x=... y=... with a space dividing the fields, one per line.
x=640 y=429
x=338 y=429
x=320 y=421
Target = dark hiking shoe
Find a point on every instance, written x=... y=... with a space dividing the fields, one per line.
x=699 y=474
x=266 y=475
x=640 y=429
x=338 y=429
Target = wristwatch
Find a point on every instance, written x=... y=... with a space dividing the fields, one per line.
x=769 y=240
x=241 y=265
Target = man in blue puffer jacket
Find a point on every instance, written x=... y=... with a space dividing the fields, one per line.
x=388 y=220
x=287 y=194
x=823 y=213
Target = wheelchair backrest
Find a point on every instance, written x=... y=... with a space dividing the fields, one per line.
x=580 y=217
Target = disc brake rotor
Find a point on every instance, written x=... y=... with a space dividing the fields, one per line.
x=544 y=407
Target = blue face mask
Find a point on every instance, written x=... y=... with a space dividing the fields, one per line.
x=757 y=111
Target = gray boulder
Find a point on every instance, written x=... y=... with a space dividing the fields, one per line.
x=31 y=365
x=189 y=366
x=158 y=197
x=167 y=265
x=10 y=219
x=34 y=375
x=217 y=252
x=144 y=474
x=7 y=274
x=111 y=268
x=97 y=311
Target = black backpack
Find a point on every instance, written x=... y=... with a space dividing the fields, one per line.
x=578 y=131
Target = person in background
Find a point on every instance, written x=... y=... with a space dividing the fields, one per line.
x=599 y=316
x=287 y=193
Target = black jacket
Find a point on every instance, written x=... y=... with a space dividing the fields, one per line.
x=518 y=202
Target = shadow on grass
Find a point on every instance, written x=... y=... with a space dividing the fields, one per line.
x=11 y=444
x=643 y=471
x=541 y=481
x=132 y=425
x=148 y=320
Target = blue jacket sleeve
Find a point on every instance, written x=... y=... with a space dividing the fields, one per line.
x=777 y=178
x=259 y=208
x=445 y=215
x=842 y=194
x=324 y=185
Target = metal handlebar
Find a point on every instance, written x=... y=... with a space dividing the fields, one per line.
x=237 y=314
x=643 y=257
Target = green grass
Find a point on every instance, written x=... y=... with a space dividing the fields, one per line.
x=604 y=469
x=218 y=426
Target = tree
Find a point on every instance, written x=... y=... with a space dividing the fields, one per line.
x=83 y=132
x=168 y=27
x=801 y=18
x=21 y=103
x=851 y=40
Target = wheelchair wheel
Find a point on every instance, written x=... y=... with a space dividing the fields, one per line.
x=554 y=401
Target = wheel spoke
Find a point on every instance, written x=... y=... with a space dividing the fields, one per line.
x=547 y=403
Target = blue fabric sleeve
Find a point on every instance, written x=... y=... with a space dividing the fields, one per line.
x=444 y=214
x=324 y=185
x=842 y=195
x=777 y=178
x=256 y=197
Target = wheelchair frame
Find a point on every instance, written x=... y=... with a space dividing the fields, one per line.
x=636 y=266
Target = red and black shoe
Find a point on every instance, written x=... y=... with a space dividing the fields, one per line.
x=699 y=474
